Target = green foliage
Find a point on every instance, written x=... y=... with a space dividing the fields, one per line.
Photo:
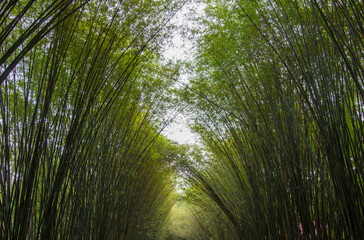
x=276 y=95
x=279 y=106
x=79 y=135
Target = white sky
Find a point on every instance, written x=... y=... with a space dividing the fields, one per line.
x=178 y=131
x=181 y=49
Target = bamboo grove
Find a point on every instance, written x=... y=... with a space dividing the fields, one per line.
x=282 y=119
x=80 y=119
x=275 y=92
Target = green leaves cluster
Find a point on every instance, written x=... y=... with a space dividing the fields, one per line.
x=78 y=129
x=278 y=96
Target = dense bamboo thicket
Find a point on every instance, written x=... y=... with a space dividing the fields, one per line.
x=81 y=112
x=279 y=98
x=276 y=94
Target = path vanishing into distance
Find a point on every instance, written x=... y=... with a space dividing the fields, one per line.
x=181 y=119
